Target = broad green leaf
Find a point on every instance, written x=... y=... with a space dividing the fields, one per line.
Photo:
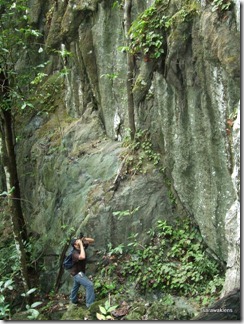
x=8 y=283
x=107 y=304
x=100 y=317
x=30 y=291
x=103 y=310
x=34 y=314
x=112 y=308
x=36 y=304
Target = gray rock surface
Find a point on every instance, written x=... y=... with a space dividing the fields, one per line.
x=68 y=159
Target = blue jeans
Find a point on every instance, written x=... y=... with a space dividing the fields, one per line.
x=81 y=279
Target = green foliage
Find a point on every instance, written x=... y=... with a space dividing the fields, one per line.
x=110 y=76
x=63 y=53
x=35 y=250
x=234 y=114
x=69 y=231
x=14 y=16
x=26 y=85
x=31 y=309
x=46 y=90
x=14 y=47
x=115 y=251
x=222 y=5
x=11 y=288
x=104 y=286
x=9 y=264
x=174 y=261
x=105 y=311
x=168 y=300
x=212 y=289
x=39 y=78
x=140 y=152
x=122 y=213
x=117 y=4
x=4 y=306
x=104 y=283
x=7 y=193
x=149 y=32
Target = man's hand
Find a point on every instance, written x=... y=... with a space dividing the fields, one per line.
x=79 y=242
x=88 y=240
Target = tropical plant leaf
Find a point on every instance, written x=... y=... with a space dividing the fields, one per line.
x=100 y=317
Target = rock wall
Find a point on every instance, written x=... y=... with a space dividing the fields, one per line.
x=69 y=158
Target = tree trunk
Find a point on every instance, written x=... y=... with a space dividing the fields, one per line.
x=12 y=170
x=130 y=69
x=19 y=247
x=17 y=219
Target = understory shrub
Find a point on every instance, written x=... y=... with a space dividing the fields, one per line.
x=175 y=261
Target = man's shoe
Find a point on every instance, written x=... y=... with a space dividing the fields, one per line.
x=77 y=303
x=74 y=303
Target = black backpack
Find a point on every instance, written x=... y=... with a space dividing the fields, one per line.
x=68 y=262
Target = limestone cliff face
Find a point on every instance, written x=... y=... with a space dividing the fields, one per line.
x=185 y=101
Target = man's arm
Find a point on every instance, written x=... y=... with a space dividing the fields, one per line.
x=82 y=254
x=88 y=240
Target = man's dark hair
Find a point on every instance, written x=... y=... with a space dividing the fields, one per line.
x=80 y=237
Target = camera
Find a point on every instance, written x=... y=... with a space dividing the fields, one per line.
x=85 y=240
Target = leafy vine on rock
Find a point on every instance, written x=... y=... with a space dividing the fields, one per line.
x=149 y=32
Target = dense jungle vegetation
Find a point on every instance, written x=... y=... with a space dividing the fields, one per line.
x=174 y=262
